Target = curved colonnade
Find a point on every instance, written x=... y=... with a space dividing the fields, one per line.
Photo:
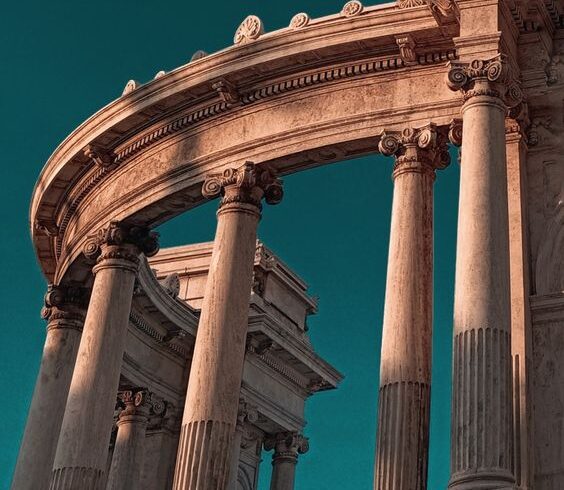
x=403 y=79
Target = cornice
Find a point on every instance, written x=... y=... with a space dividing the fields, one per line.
x=69 y=175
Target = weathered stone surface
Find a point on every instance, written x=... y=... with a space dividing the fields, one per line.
x=329 y=89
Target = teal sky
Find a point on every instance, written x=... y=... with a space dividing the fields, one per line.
x=64 y=60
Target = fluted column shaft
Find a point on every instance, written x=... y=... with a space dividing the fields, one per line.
x=482 y=438
x=405 y=372
x=212 y=399
x=63 y=310
x=286 y=447
x=129 y=449
x=80 y=460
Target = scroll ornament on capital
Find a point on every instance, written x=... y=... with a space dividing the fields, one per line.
x=140 y=401
x=118 y=235
x=64 y=302
x=287 y=445
x=490 y=78
x=248 y=184
x=416 y=149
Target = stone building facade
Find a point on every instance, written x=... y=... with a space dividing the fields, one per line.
x=406 y=79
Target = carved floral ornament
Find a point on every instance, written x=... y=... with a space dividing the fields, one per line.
x=299 y=20
x=118 y=234
x=248 y=184
x=352 y=8
x=490 y=78
x=250 y=29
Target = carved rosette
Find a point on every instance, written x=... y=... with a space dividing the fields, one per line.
x=121 y=241
x=490 y=78
x=352 y=8
x=64 y=302
x=420 y=150
x=249 y=30
x=287 y=446
x=248 y=184
x=299 y=20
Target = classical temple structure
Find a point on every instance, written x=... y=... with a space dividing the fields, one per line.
x=205 y=347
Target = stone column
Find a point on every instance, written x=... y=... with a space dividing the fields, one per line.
x=129 y=448
x=287 y=446
x=482 y=419
x=212 y=399
x=405 y=372
x=64 y=312
x=80 y=460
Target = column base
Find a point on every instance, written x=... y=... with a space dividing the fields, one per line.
x=482 y=481
x=74 y=478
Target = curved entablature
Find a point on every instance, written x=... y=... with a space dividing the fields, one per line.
x=319 y=91
x=327 y=89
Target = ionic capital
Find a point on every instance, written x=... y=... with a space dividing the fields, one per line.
x=418 y=150
x=121 y=241
x=63 y=302
x=488 y=78
x=139 y=404
x=287 y=446
x=248 y=184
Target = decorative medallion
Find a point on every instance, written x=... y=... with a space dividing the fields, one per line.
x=130 y=87
x=198 y=55
x=251 y=28
x=299 y=20
x=352 y=8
